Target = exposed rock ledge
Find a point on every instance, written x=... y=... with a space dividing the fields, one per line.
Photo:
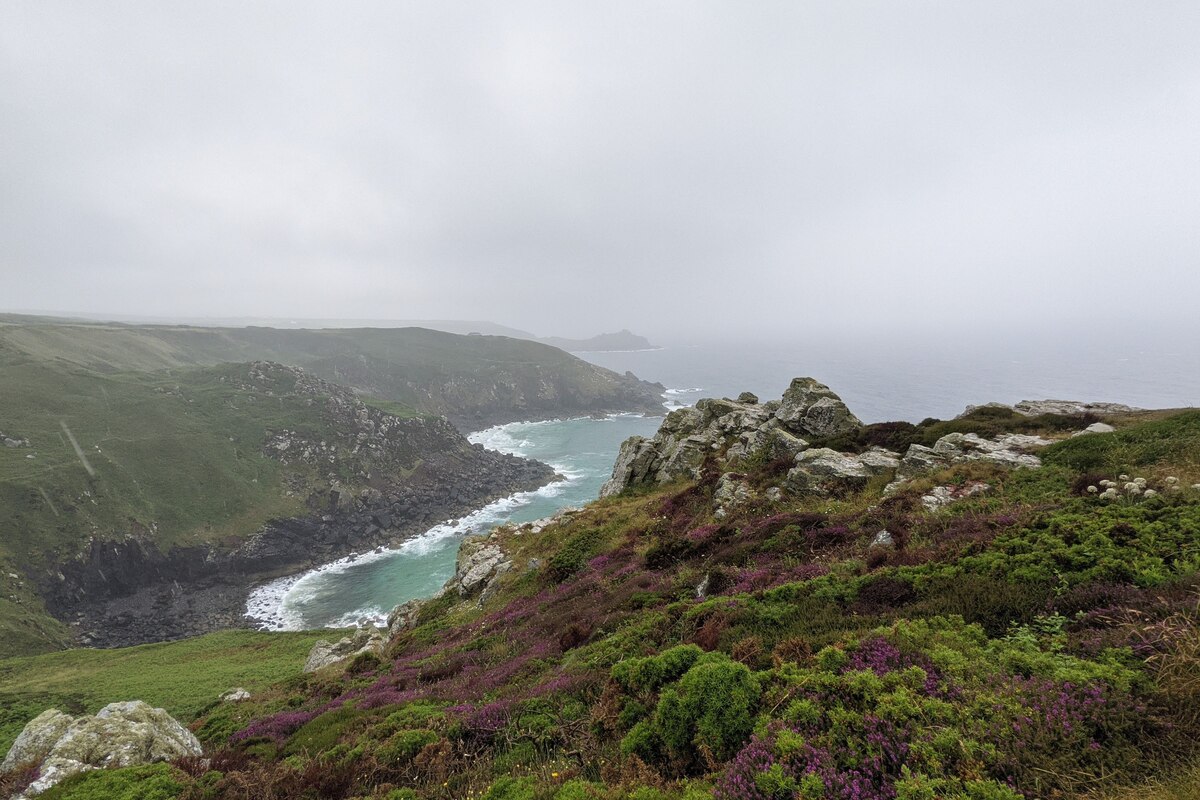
x=119 y=735
x=1034 y=408
x=727 y=435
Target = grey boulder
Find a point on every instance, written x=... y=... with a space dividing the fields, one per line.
x=119 y=735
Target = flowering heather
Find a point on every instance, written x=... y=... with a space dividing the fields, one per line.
x=484 y=721
x=881 y=657
x=277 y=726
x=1025 y=643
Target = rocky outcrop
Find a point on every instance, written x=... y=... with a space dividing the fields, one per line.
x=1095 y=427
x=731 y=493
x=480 y=562
x=1035 y=408
x=818 y=468
x=725 y=435
x=119 y=735
x=731 y=432
x=941 y=496
x=809 y=407
x=324 y=653
x=403 y=617
x=12 y=440
x=1008 y=450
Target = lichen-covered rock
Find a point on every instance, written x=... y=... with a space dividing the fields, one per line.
x=403 y=617
x=480 y=562
x=732 y=492
x=325 y=653
x=235 y=695
x=816 y=469
x=120 y=735
x=810 y=407
x=1033 y=408
x=1009 y=450
x=730 y=432
x=36 y=739
x=1095 y=427
x=940 y=496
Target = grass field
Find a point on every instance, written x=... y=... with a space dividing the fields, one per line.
x=185 y=677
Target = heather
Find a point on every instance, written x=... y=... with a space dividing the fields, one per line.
x=1031 y=641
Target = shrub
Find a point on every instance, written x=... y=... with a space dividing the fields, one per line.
x=646 y=675
x=571 y=555
x=508 y=788
x=710 y=712
x=150 y=782
x=404 y=746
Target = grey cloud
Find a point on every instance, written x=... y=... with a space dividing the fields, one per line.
x=571 y=168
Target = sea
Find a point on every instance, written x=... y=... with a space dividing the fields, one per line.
x=884 y=378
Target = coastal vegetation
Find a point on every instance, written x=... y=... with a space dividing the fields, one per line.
x=1032 y=640
x=139 y=456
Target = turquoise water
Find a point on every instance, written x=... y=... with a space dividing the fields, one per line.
x=370 y=585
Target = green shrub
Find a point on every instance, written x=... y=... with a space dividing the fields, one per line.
x=645 y=675
x=508 y=788
x=712 y=707
x=150 y=782
x=580 y=790
x=404 y=746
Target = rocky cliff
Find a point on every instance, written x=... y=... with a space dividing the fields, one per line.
x=728 y=437
x=366 y=478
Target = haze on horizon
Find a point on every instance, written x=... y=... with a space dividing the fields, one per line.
x=572 y=168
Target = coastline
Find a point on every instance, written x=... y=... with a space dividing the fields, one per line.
x=346 y=592
x=200 y=590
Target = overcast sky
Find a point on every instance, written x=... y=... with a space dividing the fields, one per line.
x=575 y=167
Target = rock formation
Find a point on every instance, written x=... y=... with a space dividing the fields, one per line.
x=119 y=735
x=1034 y=408
x=728 y=435
x=324 y=653
x=732 y=430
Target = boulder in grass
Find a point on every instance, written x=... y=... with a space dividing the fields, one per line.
x=120 y=735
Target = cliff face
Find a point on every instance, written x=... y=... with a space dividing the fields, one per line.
x=278 y=471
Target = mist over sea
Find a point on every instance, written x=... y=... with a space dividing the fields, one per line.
x=895 y=377
x=888 y=380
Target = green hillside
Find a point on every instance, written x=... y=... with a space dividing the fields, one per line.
x=465 y=377
x=186 y=678
x=1033 y=640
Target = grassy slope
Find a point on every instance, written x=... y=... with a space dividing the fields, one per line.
x=397 y=364
x=185 y=678
x=178 y=458
x=1016 y=604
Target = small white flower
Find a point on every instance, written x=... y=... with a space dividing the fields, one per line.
x=1140 y=481
x=1171 y=480
x=1149 y=493
x=1123 y=477
x=1092 y=490
x=1107 y=484
x=1133 y=488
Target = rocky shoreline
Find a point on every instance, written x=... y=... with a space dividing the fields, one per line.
x=191 y=591
x=380 y=480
